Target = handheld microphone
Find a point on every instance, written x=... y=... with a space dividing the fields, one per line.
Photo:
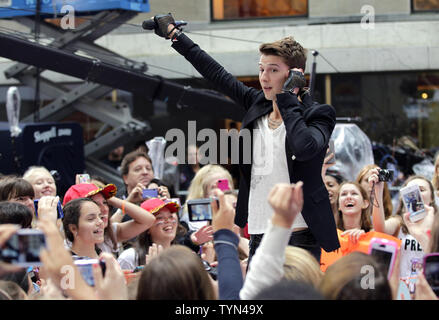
x=151 y=25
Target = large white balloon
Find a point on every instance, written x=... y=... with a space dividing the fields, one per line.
x=353 y=150
x=13 y=104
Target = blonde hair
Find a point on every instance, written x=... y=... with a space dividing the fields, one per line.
x=300 y=265
x=34 y=169
x=199 y=184
x=435 y=179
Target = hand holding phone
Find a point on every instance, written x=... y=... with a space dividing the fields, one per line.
x=411 y=196
x=294 y=81
x=48 y=204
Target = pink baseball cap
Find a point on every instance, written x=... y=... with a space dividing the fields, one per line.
x=85 y=190
x=154 y=205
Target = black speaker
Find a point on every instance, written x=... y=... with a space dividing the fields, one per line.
x=56 y=146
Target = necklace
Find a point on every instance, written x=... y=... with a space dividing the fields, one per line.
x=275 y=121
x=273 y=124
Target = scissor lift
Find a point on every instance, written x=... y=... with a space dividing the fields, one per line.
x=86 y=97
x=102 y=70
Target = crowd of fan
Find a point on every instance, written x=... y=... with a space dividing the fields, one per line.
x=151 y=249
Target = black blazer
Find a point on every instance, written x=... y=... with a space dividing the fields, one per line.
x=308 y=129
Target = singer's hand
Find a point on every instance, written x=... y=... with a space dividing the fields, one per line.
x=294 y=81
x=165 y=23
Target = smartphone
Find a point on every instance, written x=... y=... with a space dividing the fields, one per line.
x=223 y=184
x=200 y=209
x=431 y=271
x=84 y=178
x=60 y=213
x=331 y=150
x=411 y=196
x=23 y=248
x=384 y=251
x=85 y=267
x=150 y=193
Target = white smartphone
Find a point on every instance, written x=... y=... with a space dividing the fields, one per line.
x=384 y=251
x=23 y=248
x=411 y=196
x=83 y=178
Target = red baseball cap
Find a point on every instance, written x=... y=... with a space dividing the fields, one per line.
x=85 y=190
x=154 y=205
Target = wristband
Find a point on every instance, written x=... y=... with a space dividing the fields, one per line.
x=172 y=30
x=176 y=34
x=123 y=207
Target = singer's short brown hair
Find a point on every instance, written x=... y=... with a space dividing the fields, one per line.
x=287 y=48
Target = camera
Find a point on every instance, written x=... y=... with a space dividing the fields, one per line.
x=23 y=248
x=200 y=209
x=385 y=175
x=150 y=193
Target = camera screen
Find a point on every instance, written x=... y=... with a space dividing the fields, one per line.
x=431 y=272
x=384 y=258
x=23 y=248
x=150 y=193
x=85 y=267
x=200 y=212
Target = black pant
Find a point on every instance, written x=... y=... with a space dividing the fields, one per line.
x=302 y=239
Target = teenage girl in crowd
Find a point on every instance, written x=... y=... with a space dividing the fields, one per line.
x=115 y=232
x=202 y=186
x=395 y=225
x=363 y=179
x=161 y=235
x=83 y=227
x=353 y=217
x=16 y=189
x=41 y=180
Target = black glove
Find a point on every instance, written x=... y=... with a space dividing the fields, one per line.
x=295 y=79
x=162 y=22
x=305 y=96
